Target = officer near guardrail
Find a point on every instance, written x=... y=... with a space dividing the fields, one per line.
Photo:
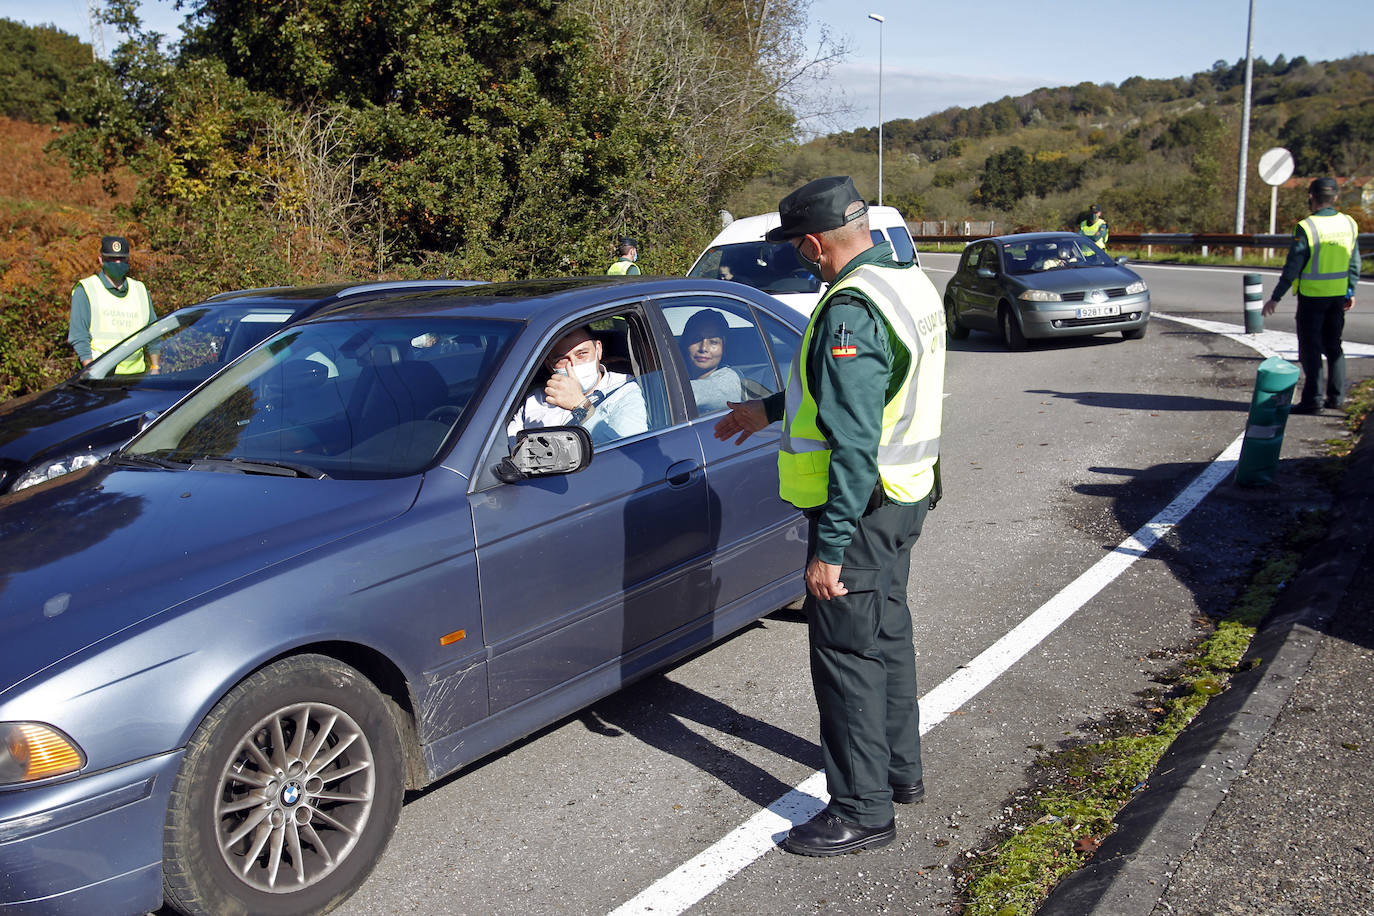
x=1095 y=227
x=1325 y=262
x=860 y=438
x=627 y=250
x=108 y=306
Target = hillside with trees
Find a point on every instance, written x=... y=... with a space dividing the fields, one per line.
x=1157 y=154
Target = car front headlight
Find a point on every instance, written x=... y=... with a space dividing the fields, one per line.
x=1136 y=287
x=1040 y=295
x=49 y=468
x=30 y=751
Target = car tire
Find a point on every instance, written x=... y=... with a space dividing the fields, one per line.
x=308 y=750
x=953 y=328
x=1134 y=333
x=1011 y=329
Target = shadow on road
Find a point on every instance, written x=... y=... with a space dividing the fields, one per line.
x=1129 y=400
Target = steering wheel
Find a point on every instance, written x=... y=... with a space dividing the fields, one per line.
x=445 y=413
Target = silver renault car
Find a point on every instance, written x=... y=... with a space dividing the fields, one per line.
x=1037 y=285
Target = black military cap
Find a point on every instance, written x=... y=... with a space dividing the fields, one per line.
x=626 y=242
x=114 y=246
x=816 y=207
x=1323 y=186
x=1094 y=209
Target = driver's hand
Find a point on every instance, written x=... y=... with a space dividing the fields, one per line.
x=563 y=391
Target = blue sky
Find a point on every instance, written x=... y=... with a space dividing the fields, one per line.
x=938 y=55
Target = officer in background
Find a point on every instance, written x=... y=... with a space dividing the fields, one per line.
x=860 y=438
x=1095 y=227
x=628 y=250
x=108 y=306
x=1325 y=261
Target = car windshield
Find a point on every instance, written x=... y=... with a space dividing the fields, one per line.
x=347 y=398
x=189 y=345
x=1065 y=252
x=762 y=265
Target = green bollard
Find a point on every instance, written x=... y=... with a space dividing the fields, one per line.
x=1259 y=452
x=1254 y=303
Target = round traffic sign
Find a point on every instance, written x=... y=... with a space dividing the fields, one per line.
x=1276 y=166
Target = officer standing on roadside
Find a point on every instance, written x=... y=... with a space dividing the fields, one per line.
x=108 y=306
x=1325 y=261
x=860 y=439
x=624 y=265
x=1095 y=227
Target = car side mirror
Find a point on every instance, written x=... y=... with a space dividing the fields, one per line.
x=1122 y=260
x=544 y=452
x=986 y=273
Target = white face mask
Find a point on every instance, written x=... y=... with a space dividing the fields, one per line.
x=587 y=374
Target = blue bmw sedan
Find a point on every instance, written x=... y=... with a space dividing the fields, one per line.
x=368 y=552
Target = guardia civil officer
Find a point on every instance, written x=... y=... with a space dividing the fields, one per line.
x=108 y=306
x=627 y=251
x=1095 y=227
x=861 y=433
x=1325 y=261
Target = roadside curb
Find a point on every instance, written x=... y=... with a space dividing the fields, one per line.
x=1160 y=827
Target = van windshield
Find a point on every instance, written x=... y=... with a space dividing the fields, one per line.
x=762 y=265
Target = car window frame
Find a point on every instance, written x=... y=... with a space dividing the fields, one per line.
x=702 y=299
x=495 y=444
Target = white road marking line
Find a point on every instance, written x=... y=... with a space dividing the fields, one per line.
x=690 y=882
x=1270 y=343
x=1268 y=271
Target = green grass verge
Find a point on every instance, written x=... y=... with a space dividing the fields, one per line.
x=1058 y=824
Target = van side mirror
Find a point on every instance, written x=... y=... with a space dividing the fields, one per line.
x=544 y=452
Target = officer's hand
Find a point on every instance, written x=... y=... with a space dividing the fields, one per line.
x=744 y=418
x=563 y=391
x=1350 y=303
x=823 y=580
x=1270 y=307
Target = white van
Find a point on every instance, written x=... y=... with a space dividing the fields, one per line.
x=741 y=253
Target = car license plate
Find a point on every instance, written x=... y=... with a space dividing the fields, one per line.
x=1098 y=311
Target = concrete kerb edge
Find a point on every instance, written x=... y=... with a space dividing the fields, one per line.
x=1158 y=828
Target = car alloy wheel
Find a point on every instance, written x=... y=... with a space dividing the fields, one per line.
x=289 y=792
x=955 y=330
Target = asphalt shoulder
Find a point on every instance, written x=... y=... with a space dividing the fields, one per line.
x=1269 y=782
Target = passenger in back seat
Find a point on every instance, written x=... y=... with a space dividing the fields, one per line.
x=703 y=345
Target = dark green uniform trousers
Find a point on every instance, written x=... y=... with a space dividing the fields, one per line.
x=863 y=666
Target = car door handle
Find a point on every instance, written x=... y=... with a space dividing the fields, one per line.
x=680 y=473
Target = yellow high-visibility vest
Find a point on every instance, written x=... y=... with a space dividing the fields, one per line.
x=114 y=318
x=1330 y=239
x=620 y=267
x=910 y=440
x=1096 y=230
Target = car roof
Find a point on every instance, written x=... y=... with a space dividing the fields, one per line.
x=533 y=299
x=305 y=300
x=1030 y=237
x=753 y=228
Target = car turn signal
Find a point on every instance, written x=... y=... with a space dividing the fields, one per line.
x=30 y=751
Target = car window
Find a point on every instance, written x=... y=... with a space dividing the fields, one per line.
x=191 y=344
x=902 y=245
x=971 y=256
x=783 y=340
x=772 y=268
x=721 y=353
x=349 y=398
x=622 y=386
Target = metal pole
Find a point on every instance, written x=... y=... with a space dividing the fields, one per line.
x=1273 y=205
x=1245 y=126
x=880 y=20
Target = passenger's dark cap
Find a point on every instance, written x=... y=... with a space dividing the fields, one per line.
x=1323 y=186
x=816 y=206
x=114 y=246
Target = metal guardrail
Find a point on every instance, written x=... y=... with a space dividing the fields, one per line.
x=1202 y=240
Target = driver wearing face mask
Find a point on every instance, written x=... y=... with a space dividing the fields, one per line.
x=582 y=392
x=108 y=306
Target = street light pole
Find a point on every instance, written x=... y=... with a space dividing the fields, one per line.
x=1245 y=126
x=880 y=20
